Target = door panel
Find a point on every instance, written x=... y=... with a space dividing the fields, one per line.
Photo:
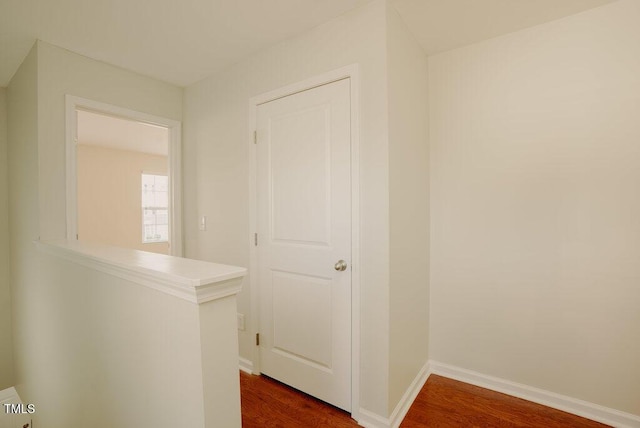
x=304 y=228
x=301 y=185
x=292 y=333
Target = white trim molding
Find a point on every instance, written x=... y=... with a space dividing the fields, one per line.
x=246 y=366
x=409 y=396
x=372 y=420
x=192 y=280
x=174 y=128
x=572 y=405
x=9 y=395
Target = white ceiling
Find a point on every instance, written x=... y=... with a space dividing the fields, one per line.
x=178 y=41
x=441 y=25
x=121 y=134
x=184 y=41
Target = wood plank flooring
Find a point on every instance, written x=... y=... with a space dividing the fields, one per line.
x=448 y=403
x=442 y=402
x=269 y=403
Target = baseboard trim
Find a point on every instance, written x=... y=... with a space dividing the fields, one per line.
x=372 y=420
x=10 y=419
x=582 y=408
x=409 y=396
x=9 y=395
x=246 y=365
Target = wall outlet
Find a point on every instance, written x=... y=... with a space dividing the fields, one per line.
x=203 y=223
x=241 y=322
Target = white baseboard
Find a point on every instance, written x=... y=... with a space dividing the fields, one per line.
x=567 y=404
x=246 y=365
x=582 y=408
x=371 y=420
x=9 y=395
x=409 y=396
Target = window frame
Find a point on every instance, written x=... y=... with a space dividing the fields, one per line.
x=154 y=208
x=174 y=127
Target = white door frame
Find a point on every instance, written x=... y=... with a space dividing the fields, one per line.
x=73 y=104
x=352 y=73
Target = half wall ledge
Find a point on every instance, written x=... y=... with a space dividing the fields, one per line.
x=192 y=280
x=173 y=340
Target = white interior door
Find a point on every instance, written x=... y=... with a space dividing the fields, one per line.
x=304 y=231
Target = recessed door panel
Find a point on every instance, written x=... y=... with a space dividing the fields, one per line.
x=301 y=175
x=293 y=335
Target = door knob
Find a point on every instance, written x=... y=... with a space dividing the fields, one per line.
x=340 y=266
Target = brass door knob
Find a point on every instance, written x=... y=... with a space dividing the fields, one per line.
x=340 y=266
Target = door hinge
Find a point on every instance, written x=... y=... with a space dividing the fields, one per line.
x=75 y=131
x=255 y=137
x=257 y=339
x=255 y=239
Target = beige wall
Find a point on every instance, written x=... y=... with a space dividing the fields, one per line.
x=36 y=121
x=535 y=206
x=6 y=360
x=22 y=125
x=118 y=354
x=61 y=72
x=109 y=196
x=408 y=207
x=216 y=131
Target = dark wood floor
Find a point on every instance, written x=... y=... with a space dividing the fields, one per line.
x=441 y=403
x=268 y=403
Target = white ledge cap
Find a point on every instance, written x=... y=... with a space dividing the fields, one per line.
x=192 y=280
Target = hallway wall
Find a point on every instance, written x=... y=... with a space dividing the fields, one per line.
x=408 y=208
x=6 y=347
x=37 y=207
x=216 y=141
x=535 y=206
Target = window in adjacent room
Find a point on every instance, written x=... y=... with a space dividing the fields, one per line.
x=155 y=208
